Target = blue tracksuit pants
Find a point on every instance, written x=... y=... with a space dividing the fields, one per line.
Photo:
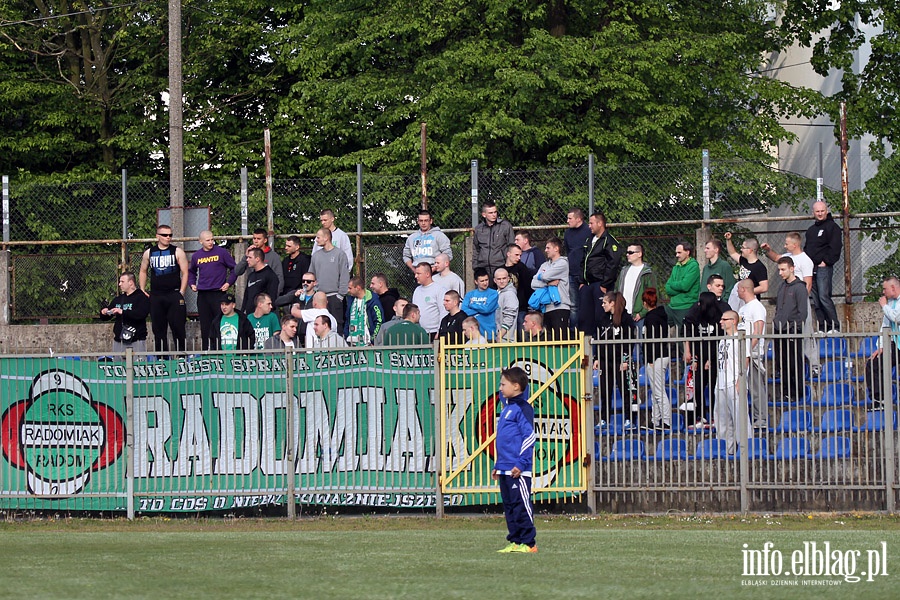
x=516 y=496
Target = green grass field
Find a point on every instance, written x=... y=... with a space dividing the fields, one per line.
x=414 y=557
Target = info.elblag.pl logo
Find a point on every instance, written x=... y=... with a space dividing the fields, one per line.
x=813 y=563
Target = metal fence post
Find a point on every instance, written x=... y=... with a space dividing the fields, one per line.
x=125 y=217
x=887 y=406
x=244 y=195
x=439 y=433
x=359 y=218
x=707 y=206
x=289 y=415
x=124 y=204
x=474 y=193
x=129 y=432
x=743 y=422
x=587 y=404
x=590 y=184
x=5 y=209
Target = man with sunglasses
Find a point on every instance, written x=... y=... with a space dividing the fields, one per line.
x=633 y=280
x=167 y=267
x=750 y=268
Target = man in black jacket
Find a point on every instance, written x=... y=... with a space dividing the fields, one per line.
x=599 y=271
x=824 y=245
x=261 y=280
x=130 y=310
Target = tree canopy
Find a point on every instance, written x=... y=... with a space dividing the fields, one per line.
x=515 y=84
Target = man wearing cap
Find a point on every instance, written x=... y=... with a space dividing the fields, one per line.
x=231 y=330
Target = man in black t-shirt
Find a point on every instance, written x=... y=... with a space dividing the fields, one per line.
x=451 y=325
x=750 y=268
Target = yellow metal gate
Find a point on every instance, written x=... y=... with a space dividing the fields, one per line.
x=469 y=405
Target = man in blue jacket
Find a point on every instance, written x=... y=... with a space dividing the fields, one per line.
x=482 y=303
x=515 y=457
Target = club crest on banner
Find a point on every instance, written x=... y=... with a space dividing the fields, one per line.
x=556 y=419
x=59 y=435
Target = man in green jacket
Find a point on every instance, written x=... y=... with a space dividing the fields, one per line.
x=683 y=286
x=717 y=265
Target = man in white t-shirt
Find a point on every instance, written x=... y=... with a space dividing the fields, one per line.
x=308 y=315
x=803 y=270
x=448 y=279
x=753 y=322
x=429 y=297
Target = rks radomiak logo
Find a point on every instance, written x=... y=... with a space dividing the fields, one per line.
x=59 y=435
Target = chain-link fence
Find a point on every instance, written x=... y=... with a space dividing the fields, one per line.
x=658 y=204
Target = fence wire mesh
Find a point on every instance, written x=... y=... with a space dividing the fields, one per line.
x=639 y=195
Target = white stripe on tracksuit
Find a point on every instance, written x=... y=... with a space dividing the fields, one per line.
x=526 y=498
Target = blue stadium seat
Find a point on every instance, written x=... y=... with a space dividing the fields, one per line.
x=837 y=446
x=616 y=426
x=710 y=448
x=805 y=401
x=627 y=450
x=866 y=347
x=833 y=347
x=670 y=449
x=618 y=402
x=875 y=421
x=837 y=420
x=791 y=448
x=642 y=376
x=793 y=421
x=837 y=394
x=759 y=449
x=868 y=399
x=836 y=370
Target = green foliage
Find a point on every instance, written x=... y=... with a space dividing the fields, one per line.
x=520 y=85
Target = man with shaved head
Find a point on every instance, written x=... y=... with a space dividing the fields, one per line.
x=210 y=274
x=824 y=245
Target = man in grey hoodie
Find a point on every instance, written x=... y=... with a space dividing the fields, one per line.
x=555 y=272
x=426 y=243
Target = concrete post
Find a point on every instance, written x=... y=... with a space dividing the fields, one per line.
x=5 y=287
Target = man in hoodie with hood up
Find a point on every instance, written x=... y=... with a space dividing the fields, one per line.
x=515 y=457
x=364 y=314
x=426 y=243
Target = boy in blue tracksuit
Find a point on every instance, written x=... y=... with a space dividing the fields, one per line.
x=515 y=456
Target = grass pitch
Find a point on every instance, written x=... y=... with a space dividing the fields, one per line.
x=385 y=557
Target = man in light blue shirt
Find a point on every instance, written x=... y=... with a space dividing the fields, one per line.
x=890 y=306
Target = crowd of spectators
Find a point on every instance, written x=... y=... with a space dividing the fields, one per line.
x=524 y=291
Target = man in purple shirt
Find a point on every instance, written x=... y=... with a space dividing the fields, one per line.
x=211 y=274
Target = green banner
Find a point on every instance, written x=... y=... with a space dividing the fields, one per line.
x=213 y=432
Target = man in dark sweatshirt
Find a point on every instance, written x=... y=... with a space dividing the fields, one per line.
x=211 y=274
x=599 y=270
x=130 y=310
x=790 y=313
x=824 y=245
